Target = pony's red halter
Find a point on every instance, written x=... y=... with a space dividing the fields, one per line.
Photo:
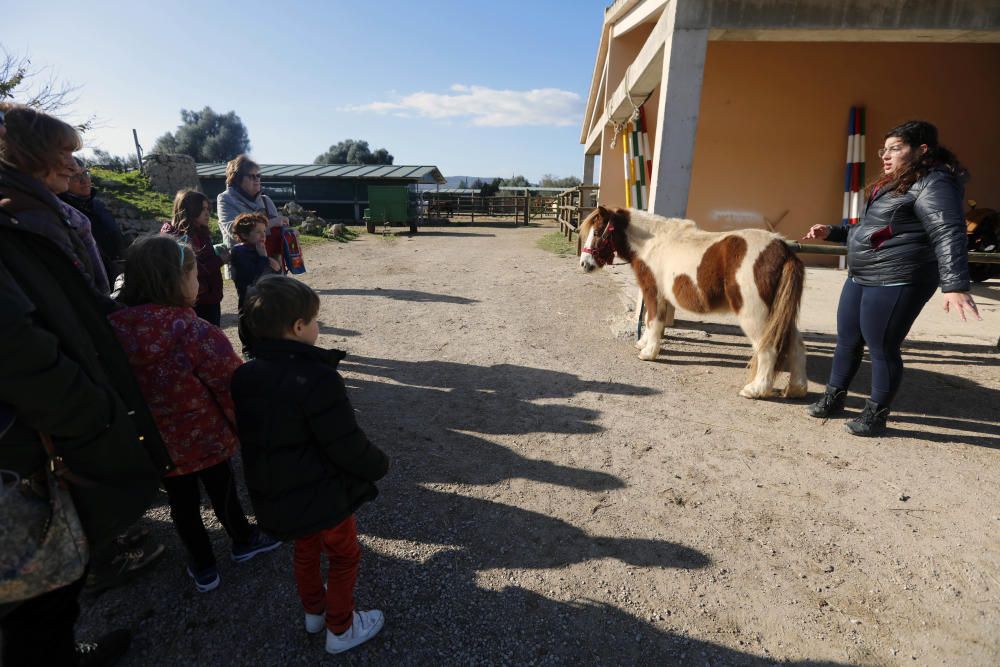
x=603 y=251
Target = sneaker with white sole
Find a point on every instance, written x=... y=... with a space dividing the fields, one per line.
x=205 y=580
x=315 y=623
x=260 y=543
x=365 y=626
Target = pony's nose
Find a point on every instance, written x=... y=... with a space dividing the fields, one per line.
x=587 y=263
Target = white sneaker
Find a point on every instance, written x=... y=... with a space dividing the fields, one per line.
x=366 y=625
x=315 y=623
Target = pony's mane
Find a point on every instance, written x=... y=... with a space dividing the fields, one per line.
x=658 y=224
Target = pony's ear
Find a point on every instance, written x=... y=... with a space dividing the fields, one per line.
x=621 y=216
x=604 y=213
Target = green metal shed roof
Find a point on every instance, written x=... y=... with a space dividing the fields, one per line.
x=415 y=174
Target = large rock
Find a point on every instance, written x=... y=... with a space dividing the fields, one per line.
x=169 y=173
x=133 y=229
x=314 y=225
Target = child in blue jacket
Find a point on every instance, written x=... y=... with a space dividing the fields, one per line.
x=249 y=260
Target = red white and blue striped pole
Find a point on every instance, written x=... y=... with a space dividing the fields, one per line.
x=854 y=171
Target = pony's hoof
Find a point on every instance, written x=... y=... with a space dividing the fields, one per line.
x=750 y=391
x=795 y=392
x=649 y=355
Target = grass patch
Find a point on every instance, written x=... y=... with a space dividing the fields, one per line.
x=556 y=243
x=133 y=188
x=347 y=235
x=311 y=239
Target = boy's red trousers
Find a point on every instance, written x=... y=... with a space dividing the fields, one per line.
x=342 y=554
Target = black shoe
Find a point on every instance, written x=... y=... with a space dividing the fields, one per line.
x=871 y=421
x=132 y=537
x=830 y=403
x=122 y=568
x=106 y=651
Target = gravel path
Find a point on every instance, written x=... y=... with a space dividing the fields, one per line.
x=553 y=500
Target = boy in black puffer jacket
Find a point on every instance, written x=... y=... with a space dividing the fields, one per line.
x=308 y=465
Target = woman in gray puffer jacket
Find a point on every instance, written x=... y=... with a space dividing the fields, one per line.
x=910 y=241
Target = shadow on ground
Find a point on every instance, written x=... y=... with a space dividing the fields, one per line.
x=399 y=295
x=459 y=577
x=435 y=417
x=931 y=394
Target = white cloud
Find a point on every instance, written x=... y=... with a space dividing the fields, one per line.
x=487 y=107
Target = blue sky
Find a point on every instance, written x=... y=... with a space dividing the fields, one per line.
x=477 y=88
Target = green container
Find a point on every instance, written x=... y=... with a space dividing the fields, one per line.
x=389 y=204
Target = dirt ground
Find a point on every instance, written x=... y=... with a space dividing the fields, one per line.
x=555 y=500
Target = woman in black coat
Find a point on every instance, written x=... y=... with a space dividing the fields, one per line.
x=63 y=373
x=910 y=241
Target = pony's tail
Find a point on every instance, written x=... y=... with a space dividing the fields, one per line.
x=784 y=311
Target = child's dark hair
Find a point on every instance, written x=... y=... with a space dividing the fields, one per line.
x=245 y=223
x=188 y=205
x=273 y=306
x=154 y=271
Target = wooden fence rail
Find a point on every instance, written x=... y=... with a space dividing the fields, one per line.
x=572 y=206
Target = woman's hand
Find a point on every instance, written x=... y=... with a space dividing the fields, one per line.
x=275 y=265
x=277 y=221
x=817 y=232
x=963 y=302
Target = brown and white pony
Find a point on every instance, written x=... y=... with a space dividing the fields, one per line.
x=750 y=272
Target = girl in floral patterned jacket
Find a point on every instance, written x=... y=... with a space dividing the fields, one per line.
x=184 y=366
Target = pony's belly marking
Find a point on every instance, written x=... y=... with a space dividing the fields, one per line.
x=687 y=294
x=717 y=287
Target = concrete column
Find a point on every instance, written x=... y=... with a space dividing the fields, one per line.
x=588 y=169
x=677 y=118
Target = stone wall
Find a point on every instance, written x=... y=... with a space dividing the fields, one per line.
x=170 y=173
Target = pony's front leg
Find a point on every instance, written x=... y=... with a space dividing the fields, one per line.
x=646 y=315
x=654 y=331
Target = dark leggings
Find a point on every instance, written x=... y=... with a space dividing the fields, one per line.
x=210 y=312
x=39 y=631
x=879 y=317
x=185 y=510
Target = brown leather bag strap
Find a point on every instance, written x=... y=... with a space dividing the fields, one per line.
x=58 y=467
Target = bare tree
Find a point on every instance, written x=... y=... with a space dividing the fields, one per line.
x=38 y=88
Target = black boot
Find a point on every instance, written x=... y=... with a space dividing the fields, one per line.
x=829 y=404
x=871 y=421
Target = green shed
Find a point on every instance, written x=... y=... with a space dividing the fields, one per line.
x=338 y=192
x=389 y=204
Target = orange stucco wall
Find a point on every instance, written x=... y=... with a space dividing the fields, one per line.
x=772 y=130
